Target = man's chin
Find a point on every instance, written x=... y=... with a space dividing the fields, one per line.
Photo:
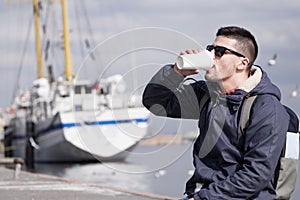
x=207 y=76
x=210 y=77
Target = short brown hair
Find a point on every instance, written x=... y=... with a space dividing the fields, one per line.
x=246 y=41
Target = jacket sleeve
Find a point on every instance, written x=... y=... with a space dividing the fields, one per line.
x=264 y=140
x=166 y=95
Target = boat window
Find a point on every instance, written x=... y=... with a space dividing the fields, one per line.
x=88 y=90
x=77 y=89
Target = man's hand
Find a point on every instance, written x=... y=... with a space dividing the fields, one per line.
x=186 y=72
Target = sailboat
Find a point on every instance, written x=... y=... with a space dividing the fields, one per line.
x=70 y=120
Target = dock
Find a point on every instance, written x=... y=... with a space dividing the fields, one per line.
x=32 y=186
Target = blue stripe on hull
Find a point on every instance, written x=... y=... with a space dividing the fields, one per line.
x=70 y=125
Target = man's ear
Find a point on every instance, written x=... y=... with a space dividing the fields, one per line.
x=243 y=64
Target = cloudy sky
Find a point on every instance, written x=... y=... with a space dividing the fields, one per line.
x=176 y=25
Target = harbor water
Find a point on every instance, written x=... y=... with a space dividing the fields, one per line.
x=155 y=169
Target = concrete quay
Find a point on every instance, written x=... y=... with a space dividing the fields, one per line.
x=31 y=186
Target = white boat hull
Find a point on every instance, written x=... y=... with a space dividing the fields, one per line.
x=86 y=136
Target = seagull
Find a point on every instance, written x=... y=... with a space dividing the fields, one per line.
x=272 y=61
x=160 y=173
x=295 y=92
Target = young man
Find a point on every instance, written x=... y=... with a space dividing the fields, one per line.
x=229 y=163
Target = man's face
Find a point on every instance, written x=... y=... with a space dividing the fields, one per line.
x=225 y=67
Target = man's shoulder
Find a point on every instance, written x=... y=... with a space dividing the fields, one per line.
x=268 y=104
x=269 y=99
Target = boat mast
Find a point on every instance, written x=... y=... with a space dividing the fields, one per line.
x=40 y=69
x=68 y=67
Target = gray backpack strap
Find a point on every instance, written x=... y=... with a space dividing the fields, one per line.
x=245 y=114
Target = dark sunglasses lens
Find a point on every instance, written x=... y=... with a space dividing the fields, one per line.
x=209 y=47
x=219 y=51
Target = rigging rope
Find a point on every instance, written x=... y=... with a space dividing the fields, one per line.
x=45 y=40
x=17 y=83
x=78 y=29
x=89 y=28
x=57 y=62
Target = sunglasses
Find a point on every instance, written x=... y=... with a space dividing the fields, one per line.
x=220 y=51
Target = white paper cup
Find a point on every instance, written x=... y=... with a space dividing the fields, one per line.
x=202 y=60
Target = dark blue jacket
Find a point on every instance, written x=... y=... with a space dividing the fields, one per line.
x=229 y=164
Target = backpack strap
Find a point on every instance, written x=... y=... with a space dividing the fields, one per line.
x=245 y=114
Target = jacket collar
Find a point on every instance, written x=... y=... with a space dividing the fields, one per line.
x=236 y=97
x=253 y=80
